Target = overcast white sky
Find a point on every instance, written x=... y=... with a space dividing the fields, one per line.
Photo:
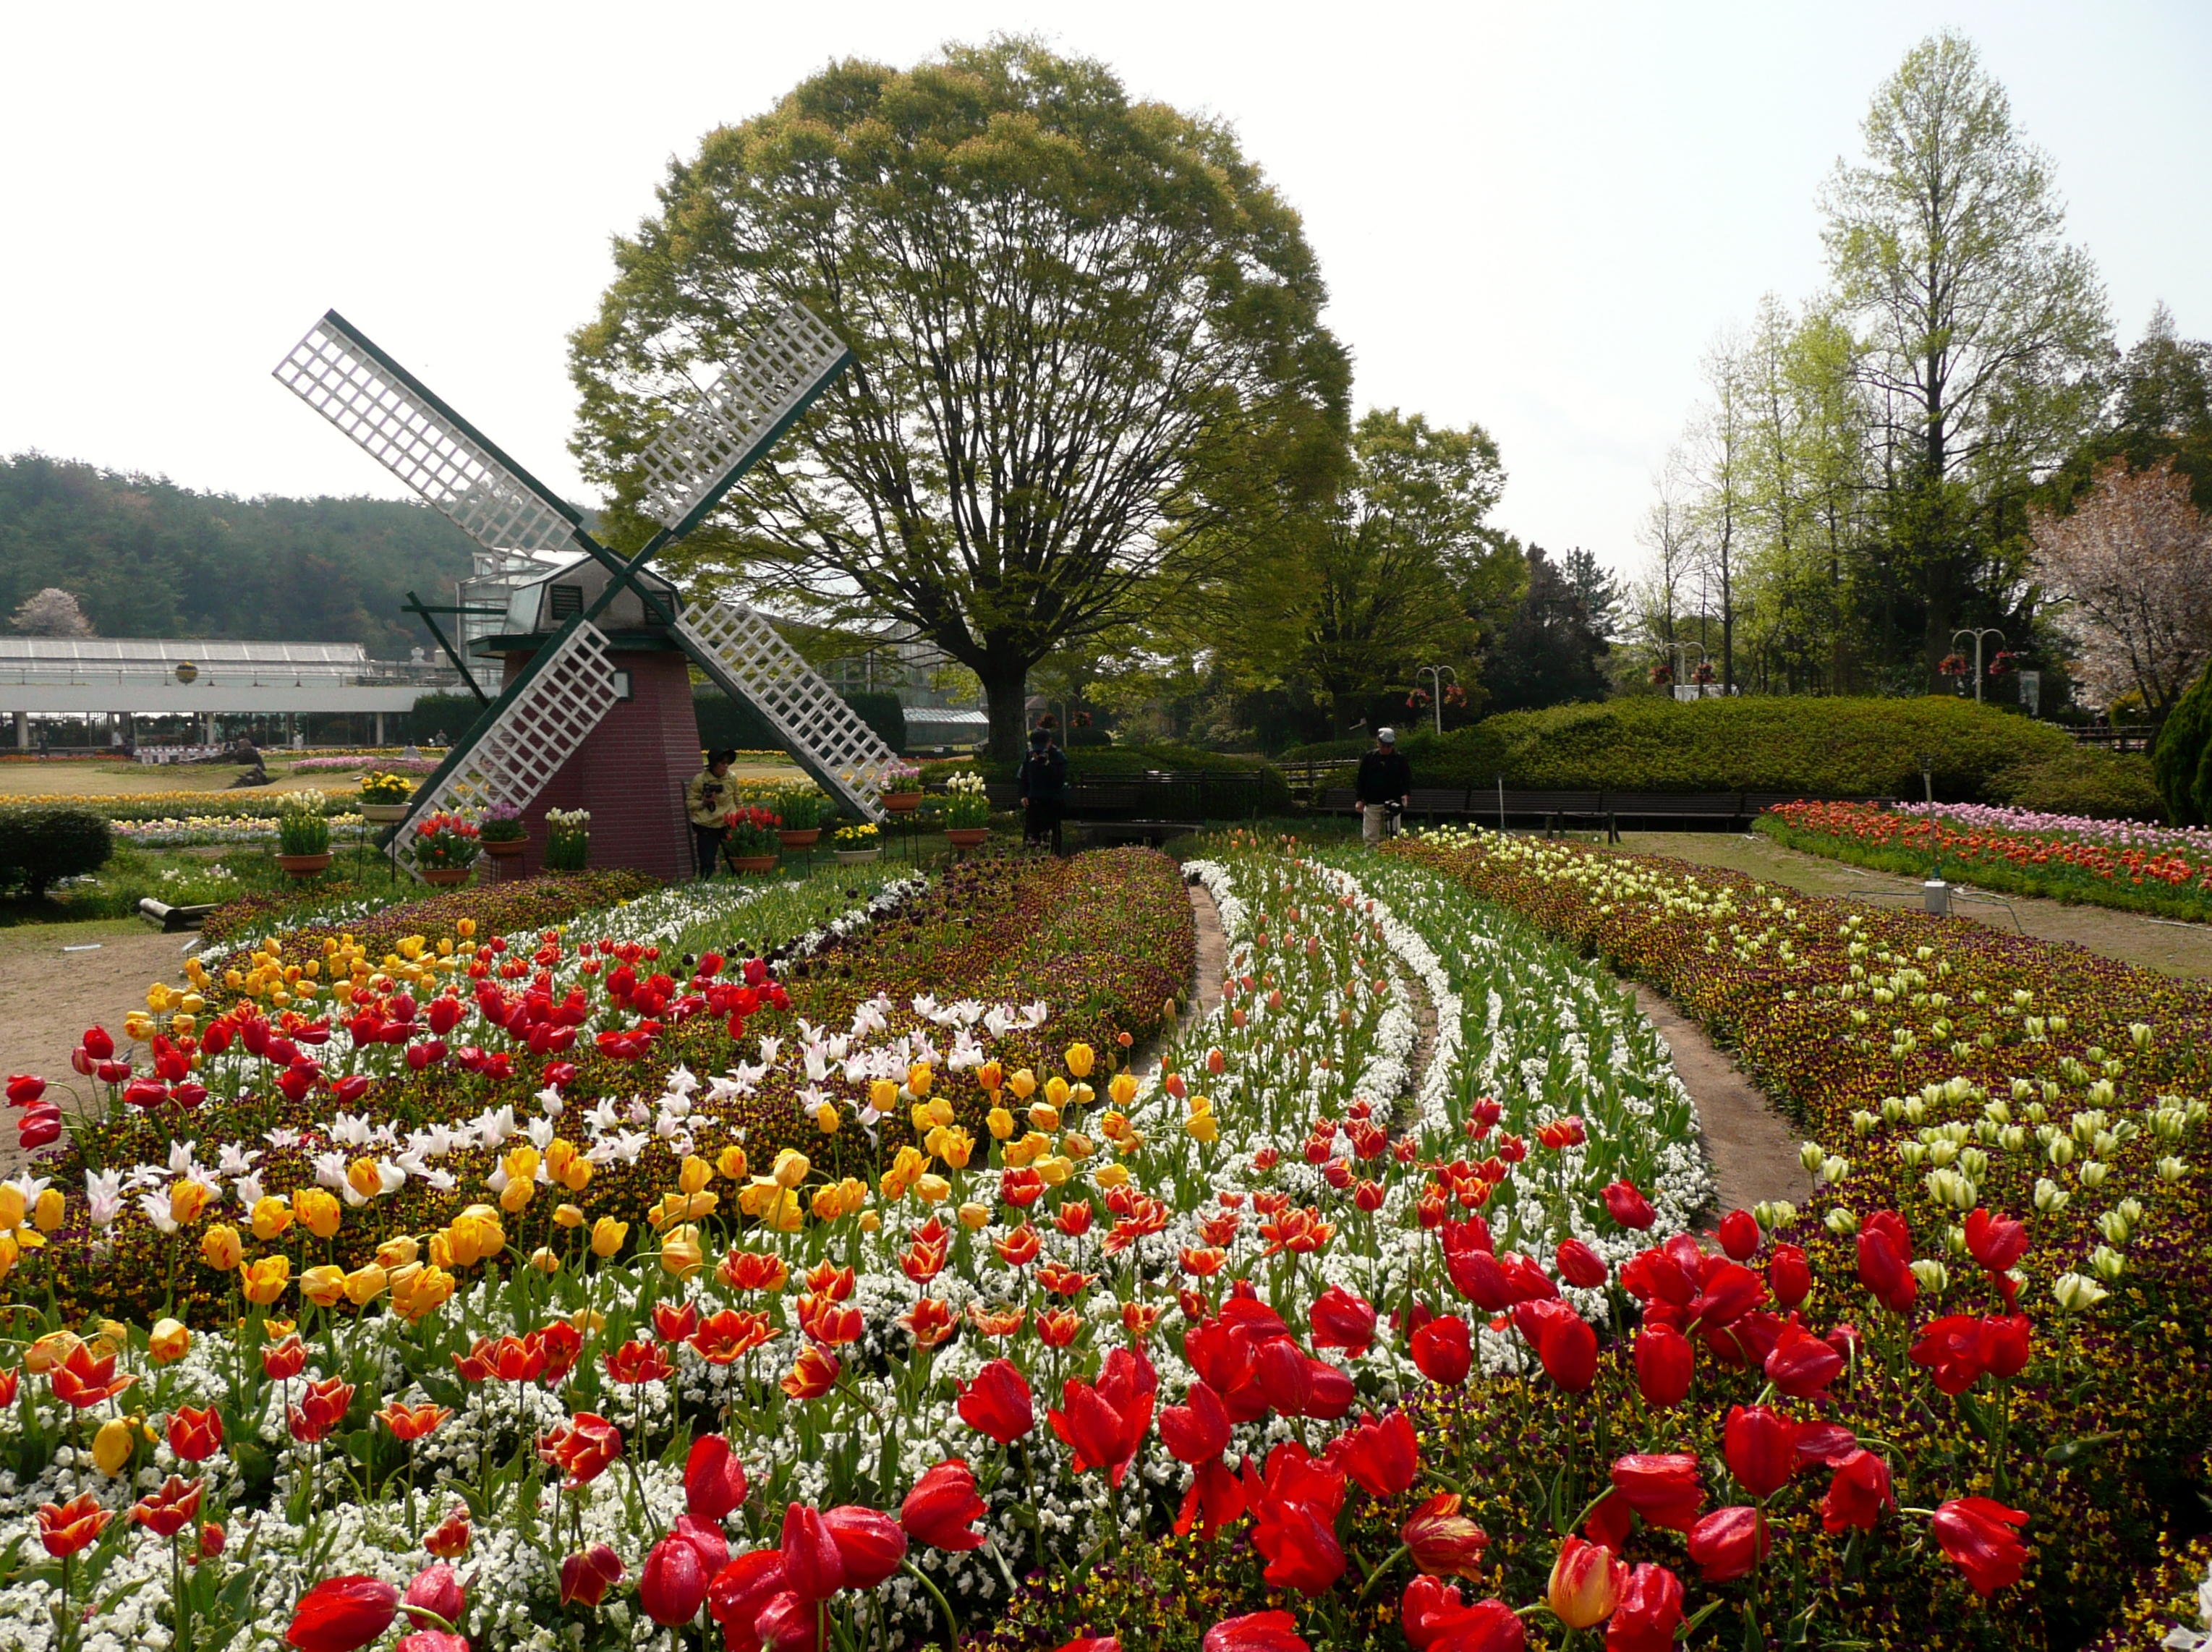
x=1534 y=215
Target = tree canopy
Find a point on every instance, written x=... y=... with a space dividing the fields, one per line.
x=1086 y=333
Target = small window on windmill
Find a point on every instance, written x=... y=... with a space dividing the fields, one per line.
x=567 y=602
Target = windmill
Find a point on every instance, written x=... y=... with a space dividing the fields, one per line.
x=596 y=705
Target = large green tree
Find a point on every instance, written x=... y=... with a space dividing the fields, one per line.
x=1087 y=334
x=1980 y=328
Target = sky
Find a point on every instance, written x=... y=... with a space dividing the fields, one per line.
x=1534 y=217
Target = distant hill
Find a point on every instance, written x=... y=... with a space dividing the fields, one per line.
x=148 y=559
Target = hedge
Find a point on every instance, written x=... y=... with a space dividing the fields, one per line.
x=731 y=723
x=42 y=843
x=1813 y=745
x=2182 y=759
x=1114 y=763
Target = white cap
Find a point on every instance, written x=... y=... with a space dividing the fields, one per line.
x=1388 y=735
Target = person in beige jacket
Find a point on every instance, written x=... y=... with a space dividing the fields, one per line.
x=707 y=798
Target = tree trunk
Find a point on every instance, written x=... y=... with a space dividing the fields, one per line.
x=1005 y=694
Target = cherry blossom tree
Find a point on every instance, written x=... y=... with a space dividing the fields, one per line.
x=52 y=612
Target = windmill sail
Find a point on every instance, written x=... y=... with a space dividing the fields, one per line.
x=744 y=654
x=540 y=722
x=397 y=418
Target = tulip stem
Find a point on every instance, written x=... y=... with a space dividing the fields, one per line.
x=951 y=1628
x=1396 y=1555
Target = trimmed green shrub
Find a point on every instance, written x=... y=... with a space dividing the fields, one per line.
x=881 y=711
x=1816 y=746
x=2110 y=786
x=2182 y=759
x=1112 y=763
x=42 y=843
x=727 y=724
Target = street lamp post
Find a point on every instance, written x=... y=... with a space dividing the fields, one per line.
x=1977 y=632
x=1436 y=674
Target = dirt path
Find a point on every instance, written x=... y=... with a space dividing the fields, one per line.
x=2174 y=948
x=48 y=997
x=1752 y=1148
x=1212 y=961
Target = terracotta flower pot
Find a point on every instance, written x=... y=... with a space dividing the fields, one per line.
x=902 y=803
x=803 y=837
x=858 y=857
x=504 y=848
x=752 y=863
x=304 y=865
x=384 y=814
x=966 y=837
x=446 y=877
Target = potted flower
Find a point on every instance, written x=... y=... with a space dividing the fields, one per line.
x=967 y=810
x=384 y=796
x=859 y=844
x=443 y=848
x=801 y=809
x=751 y=843
x=303 y=834
x=567 y=838
x=499 y=829
x=900 y=788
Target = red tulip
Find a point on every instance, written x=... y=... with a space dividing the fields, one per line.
x=1649 y=1612
x=436 y=1591
x=1788 y=1277
x=813 y=1568
x=1858 y=1494
x=98 y=1044
x=68 y=1527
x=1286 y=1380
x=1994 y=1243
x=943 y=1508
x=997 y=1403
x=673 y=1585
x=1443 y=1542
x=582 y=1449
x=1731 y=1291
x=587 y=1575
x=1091 y=1643
x=10 y=1380
x=1434 y=1617
x=1257 y=1631
x=1739 y=1235
x=169 y=1511
x=1383 y=1457
x=282 y=1360
x=1629 y=1207
x=1196 y=1432
x=1581 y=1267
x=1216 y=1497
x=714 y=1479
x=1665 y=1363
x=736 y=1594
x=1330 y=1392
x=1976 y=1532
x=1959 y=1348
x=194 y=1435
x=1728 y=1542
x=1295 y=1505
x=342 y=1614
x=84 y=1380
x=1585 y=1584
x=1443 y=1351
x=449 y=1539
x=25 y=1088
x=1340 y=1320
x=1885 y=1253
x=869 y=1544
x=431 y=1640
x=788 y=1623
x=1802 y=1365
x=1760 y=1446
x=1104 y=1435
x=1479 y=1277
x=2005 y=1346
x=1564 y=1342
x=321 y=1408
x=1661 y=1487
x=1610 y=1521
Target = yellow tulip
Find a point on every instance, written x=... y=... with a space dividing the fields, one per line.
x=1001 y=1123
x=272 y=1217
x=465 y=928
x=680 y=1252
x=992 y=1077
x=1081 y=1095
x=417 y=1290
x=1023 y=1083
x=397 y=1253
x=954 y=1145
x=882 y=1094
x=518 y=1195
x=791 y=1167
x=112 y=1446
x=568 y=1168
x=317 y=1210
x=264 y=1278
x=324 y=1285
x=1079 y=1058
x=933 y=1189
x=365 y=1284
x=50 y=1350
x=567 y=1215
x=918 y=1079
x=1052 y=1170
x=1076 y=1145
x=1111 y=1176
x=188 y=1201
x=870 y=1222
x=11 y=1207
x=220 y=1249
x=520 y=1164
x=827 y=1204
x=166 y=1342
x=694 y=1175
x=974 y=1217
x=11 y=1253
x=607 y=1236
x=363 y=1177
x=1055 y=1092
x=48 y=1212
x=1123 y=1089
x=731 y=1164
x=1203 y=1128
x=545 y=1261
x=1044 y=1117
x=827 y=1118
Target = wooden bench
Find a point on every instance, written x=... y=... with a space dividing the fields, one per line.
x=1437 y=801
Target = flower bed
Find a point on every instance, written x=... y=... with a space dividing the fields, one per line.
x=2122 y=864
x=192 y=831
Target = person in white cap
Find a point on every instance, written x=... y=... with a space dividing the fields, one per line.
x=1386 y=785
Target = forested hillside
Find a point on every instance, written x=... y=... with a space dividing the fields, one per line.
x=147 y=558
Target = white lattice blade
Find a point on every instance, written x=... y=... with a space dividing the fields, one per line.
x=426 y=446
x=515 y=756
x=751 y=661
x=727 y=424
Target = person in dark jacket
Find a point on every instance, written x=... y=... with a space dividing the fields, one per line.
x=1385 y=779
x=1043 y=778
